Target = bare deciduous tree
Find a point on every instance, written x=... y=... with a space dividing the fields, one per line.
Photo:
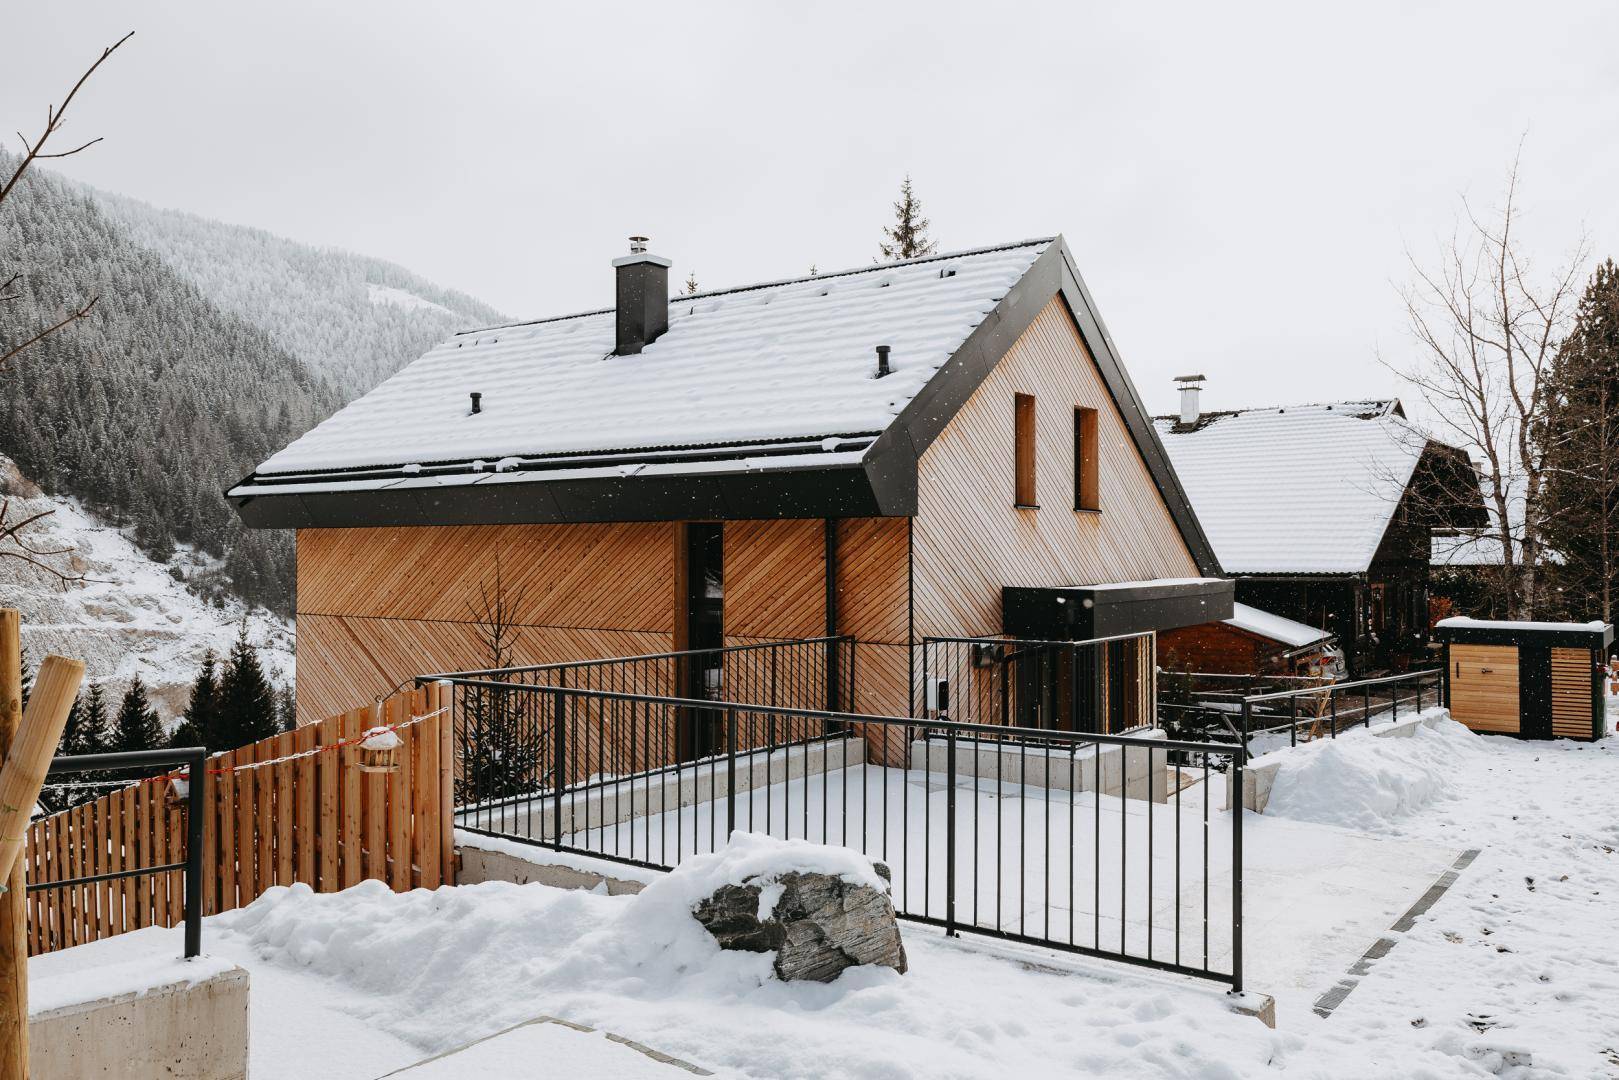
x=1487 y=326
x=13 y=543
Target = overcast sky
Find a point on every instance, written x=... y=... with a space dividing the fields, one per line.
x=1239 y=184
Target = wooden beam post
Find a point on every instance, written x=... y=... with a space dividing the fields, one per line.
x=14 y=902
x=23 y=773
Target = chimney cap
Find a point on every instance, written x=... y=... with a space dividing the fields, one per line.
x=1191 y=378
x=638 y=245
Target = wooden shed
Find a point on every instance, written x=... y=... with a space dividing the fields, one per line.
x=1536 y=680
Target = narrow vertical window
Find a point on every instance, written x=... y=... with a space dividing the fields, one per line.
x=1023 y=450
x=1087 y=453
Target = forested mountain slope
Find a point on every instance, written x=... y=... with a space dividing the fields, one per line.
x=210 y=347
x=353 y=318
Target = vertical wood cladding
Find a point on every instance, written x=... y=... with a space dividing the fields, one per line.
x=970 y=540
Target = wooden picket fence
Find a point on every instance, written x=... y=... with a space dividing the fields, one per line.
x=316 y=819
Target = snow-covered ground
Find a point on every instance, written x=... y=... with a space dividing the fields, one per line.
x=1518 y=955
x=130 y=616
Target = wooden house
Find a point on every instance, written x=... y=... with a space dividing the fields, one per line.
x=875 y=453
x=1323 y=514
x=1250 y=642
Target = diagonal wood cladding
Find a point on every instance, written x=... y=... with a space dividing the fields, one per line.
x=969 y=538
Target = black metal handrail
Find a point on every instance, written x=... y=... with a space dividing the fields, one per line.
x=193 y=758
x=677 y=654
x=1332 y=691
x=613 y=779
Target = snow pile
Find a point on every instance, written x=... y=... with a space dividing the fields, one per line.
x=440 y=969
x=1360 y=781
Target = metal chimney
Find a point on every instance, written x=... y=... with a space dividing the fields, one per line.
x=1191 y=391
x=642 y=298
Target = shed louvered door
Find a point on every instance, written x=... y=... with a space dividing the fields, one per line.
x=1484 y=687
x=1572 y=698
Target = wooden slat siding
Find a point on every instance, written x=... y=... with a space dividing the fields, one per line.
x=872 y=580
x=349 y=659
x=609 y=582
x=445 y=803
x=304 y=837
x=132 y=828
x=329 y=731
x=125 y=807
x=1571 y=693
x=225 y=849
x=424 y=762
x=264 y=814
x=400 y=709
x=969 y=540
x=285 y=809
x=247 y=861
x=352 y=869
x=374 y=796
x=775 y=578
x=1485 y=701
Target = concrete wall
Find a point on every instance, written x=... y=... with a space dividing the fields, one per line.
x=184 y=1030
x=1115 y=767
x=614 y=802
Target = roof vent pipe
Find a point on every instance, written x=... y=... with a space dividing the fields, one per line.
x=641 y=298
x=882 y=360
x=477 y=402
x=1191 y=405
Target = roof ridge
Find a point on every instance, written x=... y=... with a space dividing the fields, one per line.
x=965 y=253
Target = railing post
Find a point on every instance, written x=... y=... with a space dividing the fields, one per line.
x=1394 y=696
x=559 y=738
x=1293 y=721
x=950 y=833
x=730 y=773
x=197 y=803
x=1366 y=704
x=1332 y=707
x=1247 y=716
x=1236 y=868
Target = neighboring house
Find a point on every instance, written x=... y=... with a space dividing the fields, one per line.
x=1323 y=514
x=1250 y=642
x=874 y=453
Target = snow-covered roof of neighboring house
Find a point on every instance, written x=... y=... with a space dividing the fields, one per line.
x=1306 y=489
x=768 y=364
x=1275 y=627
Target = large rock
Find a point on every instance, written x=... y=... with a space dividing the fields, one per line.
x=817 y=924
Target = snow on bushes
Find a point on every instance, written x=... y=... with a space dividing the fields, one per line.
x=1360 y=781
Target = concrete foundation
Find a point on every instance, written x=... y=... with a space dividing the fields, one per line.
x=496 y=864
x=1140 y=773
x=181 y=1030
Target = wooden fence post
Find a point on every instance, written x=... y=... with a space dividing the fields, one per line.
x=13 y=905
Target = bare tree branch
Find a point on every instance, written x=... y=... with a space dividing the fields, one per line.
x=35 y=150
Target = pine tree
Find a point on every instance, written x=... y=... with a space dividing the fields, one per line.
x=199 y=724
x=502 y=748
x=286 y=707
x=138 y=725
x=691 y=284
x=908 y=237
x=1579 y=437
x=247 y=711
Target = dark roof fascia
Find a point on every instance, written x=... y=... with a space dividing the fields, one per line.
x=1571 y=638
x=1283 y=576
x=938 y=402
x=779 y=493
x=1081 y=612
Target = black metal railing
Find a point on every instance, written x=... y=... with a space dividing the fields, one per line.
x=1097 y=685
x=1207 y=705
x=1086 y=842
x=1325 y=711
x=502 y=752
x=193 y=759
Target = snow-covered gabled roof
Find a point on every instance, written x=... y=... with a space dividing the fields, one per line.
x=1275 y=627
x=1307 y=489
x=776 y=363
x=757 y=402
